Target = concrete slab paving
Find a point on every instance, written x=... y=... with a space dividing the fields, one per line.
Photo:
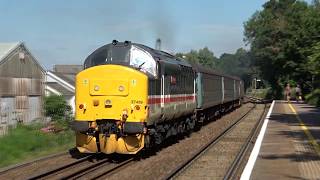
x=286 y=151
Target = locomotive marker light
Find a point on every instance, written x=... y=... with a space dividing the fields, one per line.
x=96 y=88
x=121 y=88
x=108 y=102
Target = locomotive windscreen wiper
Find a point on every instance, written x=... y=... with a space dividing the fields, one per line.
x=141 y=65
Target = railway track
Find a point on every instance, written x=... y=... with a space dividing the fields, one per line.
x=234 y=167
x=43 y=164
x=91 y=167
x=100 y=167
x=21 y=165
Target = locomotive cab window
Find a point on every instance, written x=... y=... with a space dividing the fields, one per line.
x=143 y=60
x=108 y=55
x=127 y=55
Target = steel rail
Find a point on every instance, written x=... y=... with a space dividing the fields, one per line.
x=109 y=171
x=42 y=175
x=94 y=167
x=232 y=171
x=21 y=165
x=207 y=146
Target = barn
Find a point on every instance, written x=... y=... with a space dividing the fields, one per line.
x=21 y=85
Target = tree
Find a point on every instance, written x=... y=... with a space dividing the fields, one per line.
x=57 y=108
x=203 y=56
x=207 y=58
x=280 y=36
x=238 y=64
x=314 y=63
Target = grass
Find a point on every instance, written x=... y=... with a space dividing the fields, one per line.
x=314 y=98
x=27 y=142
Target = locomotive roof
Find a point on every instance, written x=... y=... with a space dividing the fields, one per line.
x=163 y=56
x=202 y=69
x=169 y=58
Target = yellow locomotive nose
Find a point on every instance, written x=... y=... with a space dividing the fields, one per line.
x=107 y=90
x=107 y=95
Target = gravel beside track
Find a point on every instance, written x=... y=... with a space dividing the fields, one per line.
x=216 y=161
x=174 y=153
x=29 y=169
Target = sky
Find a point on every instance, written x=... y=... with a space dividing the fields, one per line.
x=66 y=32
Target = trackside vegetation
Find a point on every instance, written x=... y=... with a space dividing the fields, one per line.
x=29 y=141
x=314 y=98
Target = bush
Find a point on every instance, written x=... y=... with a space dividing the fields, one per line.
x=57 y=108
x=314 y=97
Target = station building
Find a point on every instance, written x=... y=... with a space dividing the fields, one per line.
x=21 y=85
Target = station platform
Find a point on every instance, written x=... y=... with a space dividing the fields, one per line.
x=290 y=145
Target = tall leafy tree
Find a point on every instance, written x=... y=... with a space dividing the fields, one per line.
x=238 y=64
x=203 y=56
x=206 y=57
x=279 y=36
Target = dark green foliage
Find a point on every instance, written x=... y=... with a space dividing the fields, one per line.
x=203 y=56
x=282 y=37
x=238 y=64
x=314 y=97
x=57 y=108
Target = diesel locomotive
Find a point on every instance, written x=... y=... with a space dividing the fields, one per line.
x=130 y=96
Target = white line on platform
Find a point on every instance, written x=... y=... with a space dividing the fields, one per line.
x=254 y=154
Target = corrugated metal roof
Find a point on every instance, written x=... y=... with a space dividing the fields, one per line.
x=69 y=78
x=67 y=68
x=59 y=88
x=6 y=48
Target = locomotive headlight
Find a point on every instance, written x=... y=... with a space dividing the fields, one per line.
x=121 y=88
x=107 y=102
x=96 y=88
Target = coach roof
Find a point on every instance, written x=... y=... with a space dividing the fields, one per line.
x=202 y=69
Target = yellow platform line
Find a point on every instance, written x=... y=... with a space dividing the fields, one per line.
x=311 y=139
